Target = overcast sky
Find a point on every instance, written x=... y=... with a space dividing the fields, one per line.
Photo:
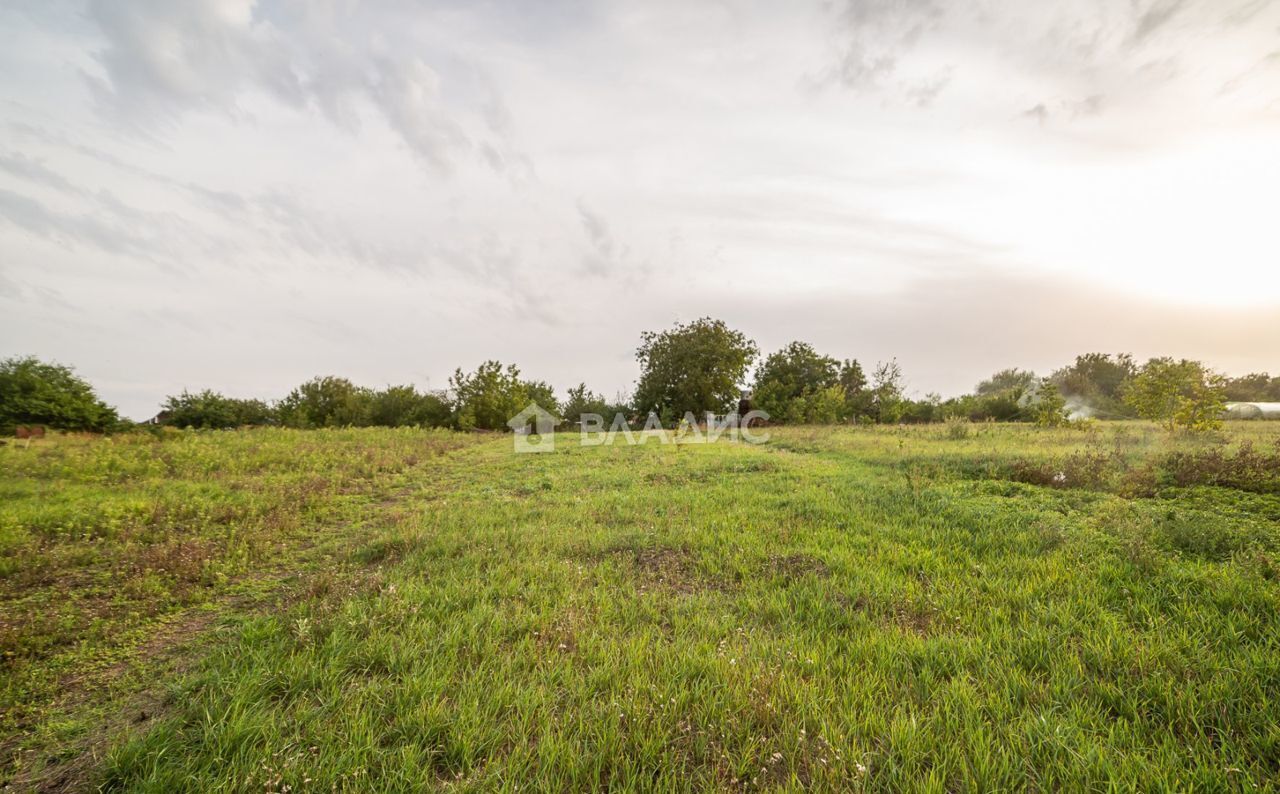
x=242 y=195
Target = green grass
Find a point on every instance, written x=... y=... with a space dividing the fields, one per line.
x=877 y=609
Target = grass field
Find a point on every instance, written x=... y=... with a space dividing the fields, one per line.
x=949 y=609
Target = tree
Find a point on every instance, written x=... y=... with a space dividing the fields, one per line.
x=541 y=392
x=209 y=409
x=1177 y=394
x=1097 y=380
x=698 y=367
x=1048 y=408
x=402 y=406
x=326 y=402
x=824 y=406
x=33 y=392
x=1007 y=380
x=583 y=401
x=886 y=391
x=789 y=379
x=434 y=410
x=394 y=406
x=1254 y=387
x=922 y=411
x=1004 y=396
x=488 y=397
x=854 y=383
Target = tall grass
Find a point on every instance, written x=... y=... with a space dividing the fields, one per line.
x=855 y=609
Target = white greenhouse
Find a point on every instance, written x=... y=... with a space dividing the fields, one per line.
x=1253 y=410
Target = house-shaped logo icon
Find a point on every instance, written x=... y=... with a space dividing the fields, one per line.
x=533 y=429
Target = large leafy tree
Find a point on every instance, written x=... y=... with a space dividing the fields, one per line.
x=1177 y=394
x=33 y=392
x=789 y=381
x=697 y=366
x=487 y=398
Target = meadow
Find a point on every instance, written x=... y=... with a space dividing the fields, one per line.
x=937 y=608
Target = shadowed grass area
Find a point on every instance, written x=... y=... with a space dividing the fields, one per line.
x=877 y=609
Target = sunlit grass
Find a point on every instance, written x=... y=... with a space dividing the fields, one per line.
x=836 y=609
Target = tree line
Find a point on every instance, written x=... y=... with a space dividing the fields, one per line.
x=696 y=367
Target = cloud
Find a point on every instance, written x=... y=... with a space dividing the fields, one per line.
x=923 y=93
x=9 y=289
x=1263 y=67
x=1070 y=109
x=105 y=222
x=272 y=221
x=408 y=93
x=33 y=170
x=162 y=60
x=1157 y=15
x=600 y=262
x=1089 y=106
x=1006 y=55
x=45 y=297
x=65 y=228
x=218 y=199
x=876 y=35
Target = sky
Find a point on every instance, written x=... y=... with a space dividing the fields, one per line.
x=241 y=194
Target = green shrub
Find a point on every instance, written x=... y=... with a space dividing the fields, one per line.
x=402 y=406
x=33 y=392
x=326 y=402
x=211 y=410
x=487 y=398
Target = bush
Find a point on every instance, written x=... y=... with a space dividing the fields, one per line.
x=35 y=393
x=798 y=385
x=488 y=397
x=825 y=406
x=1048 y=408
x=541 y=392
x=1246 y=470
x=208 y=409
x=583 y=401
x=325 y=402
x=402 y=406
x=1097 y=380
x=1178 y=394
x=921 y=412
x=1091 y=470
